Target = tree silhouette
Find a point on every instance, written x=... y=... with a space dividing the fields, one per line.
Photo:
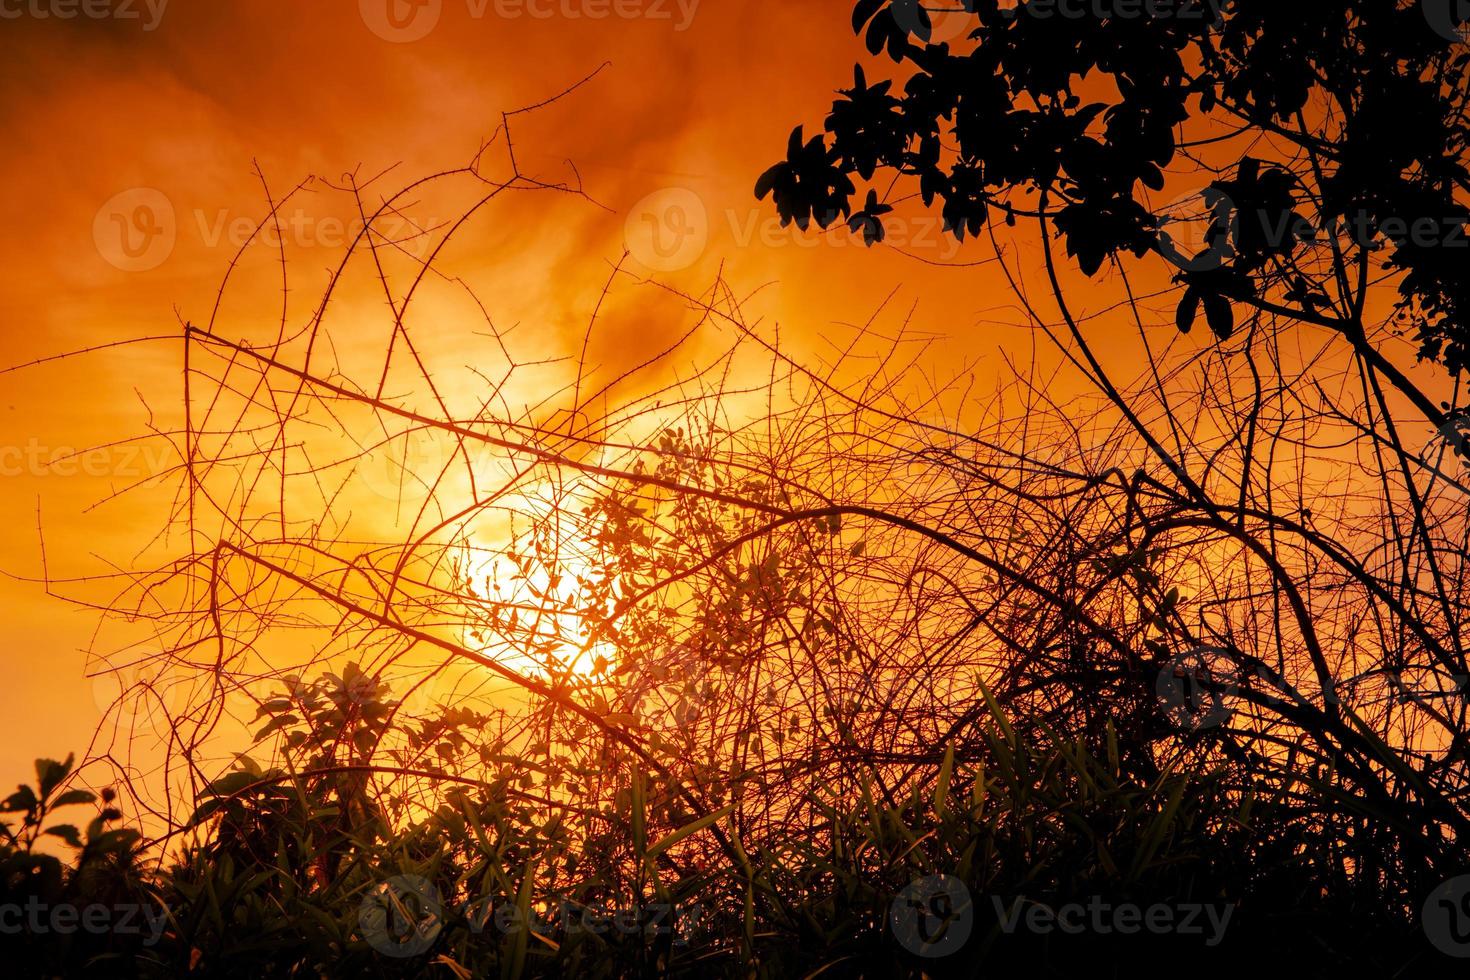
x=1284 y=169
x=789 y=640
x=1347 y=117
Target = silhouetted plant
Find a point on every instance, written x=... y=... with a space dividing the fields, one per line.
x=1074 y=117
x=774 y=639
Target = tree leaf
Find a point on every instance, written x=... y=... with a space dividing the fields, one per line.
x=72 y=797
x=1188 y=309
x=1220 y=315
x=689 y=829
x=66 y=832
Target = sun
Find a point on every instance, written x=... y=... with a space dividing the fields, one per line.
x=527 y=617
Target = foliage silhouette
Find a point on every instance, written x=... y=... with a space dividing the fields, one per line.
x=779 y=639
x=1325 y=149
x=1072 y=115
x=494 y=888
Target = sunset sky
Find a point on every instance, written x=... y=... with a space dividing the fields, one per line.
x=129 y=179
x=104 y=116
x=435 y=486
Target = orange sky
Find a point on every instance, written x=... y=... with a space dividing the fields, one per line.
x=156 y=115
x=130 y=143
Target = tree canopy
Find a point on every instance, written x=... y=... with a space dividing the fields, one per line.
x=1342 y=126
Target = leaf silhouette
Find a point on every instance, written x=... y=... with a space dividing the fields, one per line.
x=1220 y=315
x=1188 y=309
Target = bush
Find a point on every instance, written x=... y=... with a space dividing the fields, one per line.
x=292 y=872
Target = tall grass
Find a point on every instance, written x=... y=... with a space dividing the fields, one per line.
x=300 y=872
